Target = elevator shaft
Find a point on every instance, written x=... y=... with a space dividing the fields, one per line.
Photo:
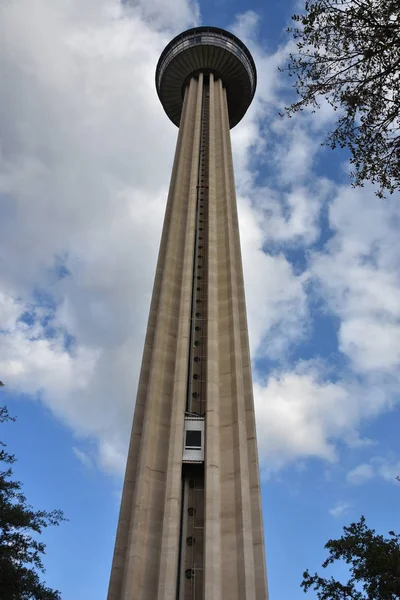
x=196 y=388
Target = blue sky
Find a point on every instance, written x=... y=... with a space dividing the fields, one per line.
x=85 y=159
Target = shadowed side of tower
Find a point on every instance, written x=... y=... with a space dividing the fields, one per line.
x=190 y=525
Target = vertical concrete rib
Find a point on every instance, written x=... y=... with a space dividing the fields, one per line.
x=246 y=585
x=229 y=570
x=212 y=558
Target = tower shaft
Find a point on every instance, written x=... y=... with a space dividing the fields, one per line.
x=190 y=525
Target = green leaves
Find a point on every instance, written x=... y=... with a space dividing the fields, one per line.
x=348 y=52
x=374 y=565
x=20 y=550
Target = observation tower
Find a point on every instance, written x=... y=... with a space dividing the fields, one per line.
x=190 y=524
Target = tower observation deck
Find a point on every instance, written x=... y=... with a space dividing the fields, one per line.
x=190 y=524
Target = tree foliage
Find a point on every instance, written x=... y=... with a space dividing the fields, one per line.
x=348 y=52
x=20 y=525
x=374 y=563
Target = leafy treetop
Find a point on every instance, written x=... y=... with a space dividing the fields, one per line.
x=20 y=525
x=374 y=563
x=348 y=52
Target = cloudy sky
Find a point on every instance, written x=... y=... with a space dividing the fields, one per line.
x=85 y=157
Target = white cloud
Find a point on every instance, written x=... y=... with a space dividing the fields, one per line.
x=290 y=217
x=112 y=455
x=378 y=467
x=30 y=361
x=359 y=276
x=10 y=310
x=370 y=343
x=83 y=457
x=360 y=474
x=340 y=509
x=246 y=24
x=175 y=15
x=276 y=296
x=286 y=200
x=295 y=156
x=301 y=415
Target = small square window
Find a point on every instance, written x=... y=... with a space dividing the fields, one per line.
x=193 y=439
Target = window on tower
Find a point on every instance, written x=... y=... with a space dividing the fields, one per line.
x=193 y=439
